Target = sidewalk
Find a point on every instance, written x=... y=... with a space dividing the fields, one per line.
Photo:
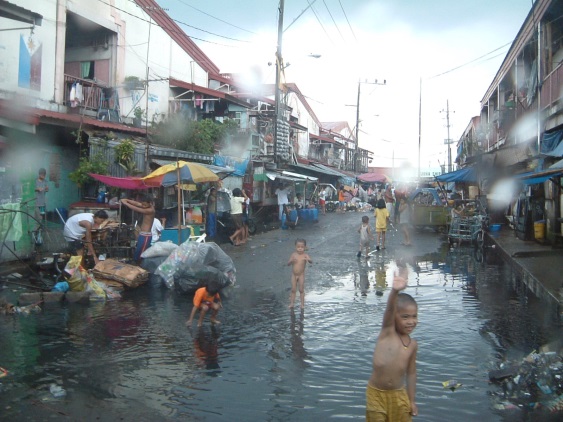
x=541 y=266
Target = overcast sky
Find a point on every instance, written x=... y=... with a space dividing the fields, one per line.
x=400 y=41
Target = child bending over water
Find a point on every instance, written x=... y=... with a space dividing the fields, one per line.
x=298 y=260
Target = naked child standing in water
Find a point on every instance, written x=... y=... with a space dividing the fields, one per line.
x=298 y=260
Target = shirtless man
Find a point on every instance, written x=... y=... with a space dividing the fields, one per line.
x=144 y=206
x=390 y=394
x=298 y=260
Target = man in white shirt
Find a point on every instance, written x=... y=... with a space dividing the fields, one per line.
x=282 y=199
x=78 y=231
x=156 y=230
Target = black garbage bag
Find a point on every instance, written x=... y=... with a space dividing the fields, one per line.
x=194 y=264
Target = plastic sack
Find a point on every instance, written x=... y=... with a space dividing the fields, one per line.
x=197 y=263
x=159 y=249
x=61 y=286
x=77 y=281
x=97 y=291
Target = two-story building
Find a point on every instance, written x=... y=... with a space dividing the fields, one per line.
x=520 y=126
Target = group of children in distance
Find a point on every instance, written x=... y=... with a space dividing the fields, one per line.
x=391 y=389
x=381 y=220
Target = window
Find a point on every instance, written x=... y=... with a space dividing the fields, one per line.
x=87 y=70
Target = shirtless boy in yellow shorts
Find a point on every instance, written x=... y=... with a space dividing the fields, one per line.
x=388 y=398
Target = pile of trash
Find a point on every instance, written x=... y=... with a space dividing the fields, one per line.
x=191 y=265
x=533 y=385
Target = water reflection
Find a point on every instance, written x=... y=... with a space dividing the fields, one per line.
x=206 y=348
x=266 y=362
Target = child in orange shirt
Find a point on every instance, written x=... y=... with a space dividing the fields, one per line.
x=206 y=298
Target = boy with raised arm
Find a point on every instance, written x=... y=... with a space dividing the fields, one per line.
x=391 y=389
x=298 y=260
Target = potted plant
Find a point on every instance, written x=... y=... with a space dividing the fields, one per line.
x=139 y=113
x=96 y=164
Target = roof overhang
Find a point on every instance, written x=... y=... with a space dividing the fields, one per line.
x=35 y=116
x=17 y=13
x=208 y=91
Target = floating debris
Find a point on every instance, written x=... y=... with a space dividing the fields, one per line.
x=534 y=384
x=452 y=384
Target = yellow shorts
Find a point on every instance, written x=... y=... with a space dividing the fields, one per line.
x=387 y=405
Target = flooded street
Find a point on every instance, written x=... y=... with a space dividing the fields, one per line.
x=134 y=359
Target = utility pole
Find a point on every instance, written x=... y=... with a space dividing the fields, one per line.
x=279 y=61
x=419 y=125
x=448 y=141
x=356 y=158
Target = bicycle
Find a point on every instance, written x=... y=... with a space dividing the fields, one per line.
x=480 y=227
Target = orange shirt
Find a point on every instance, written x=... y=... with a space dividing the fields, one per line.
x=201 y=295
x=341 y=196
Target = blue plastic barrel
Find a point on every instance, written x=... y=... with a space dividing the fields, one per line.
x=315 y=214
x=293 y=215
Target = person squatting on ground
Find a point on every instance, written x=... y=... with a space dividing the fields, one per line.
x=41 y=188
x=388 y=398
x=78 y=231
x=298 y=260
x=381 y=218
x=206 y=298
x=237 y=200
x=405 y=221
x=144 y=206
x=365 y=236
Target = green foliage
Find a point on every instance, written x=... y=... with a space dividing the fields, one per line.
x=138 y=112
x=96 y=164
x=124 y=151
x=194 y=136
x=130 y=167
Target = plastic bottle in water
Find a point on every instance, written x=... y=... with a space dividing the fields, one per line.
x=57 y=391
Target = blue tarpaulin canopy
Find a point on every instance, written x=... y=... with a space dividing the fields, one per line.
x=533 y=178
x=464 y=175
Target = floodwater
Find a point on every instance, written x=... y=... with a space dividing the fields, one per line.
x=135 y=360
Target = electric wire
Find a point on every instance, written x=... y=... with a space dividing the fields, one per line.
x=333 y=21
x=319 y=21
x=346 y=16
x=216 y=18
x=300 y=14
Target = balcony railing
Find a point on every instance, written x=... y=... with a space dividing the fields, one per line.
x=92 y=93
x=552 y=87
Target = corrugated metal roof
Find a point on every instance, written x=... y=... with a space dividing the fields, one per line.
x=159 y=15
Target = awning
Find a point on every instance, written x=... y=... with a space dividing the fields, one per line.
x=464 y=175
x=273 y=176
x=288 y=175
x=374 y=178
x=120 y=182
x=208 y=91
x=329 y=170
x=533 y=178
x=174 y=154
x=260 y=177
x=300 y=176
x=314 y=169
x=213 y=168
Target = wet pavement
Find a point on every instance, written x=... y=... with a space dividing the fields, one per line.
x=134 y=359
x=541 y=265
